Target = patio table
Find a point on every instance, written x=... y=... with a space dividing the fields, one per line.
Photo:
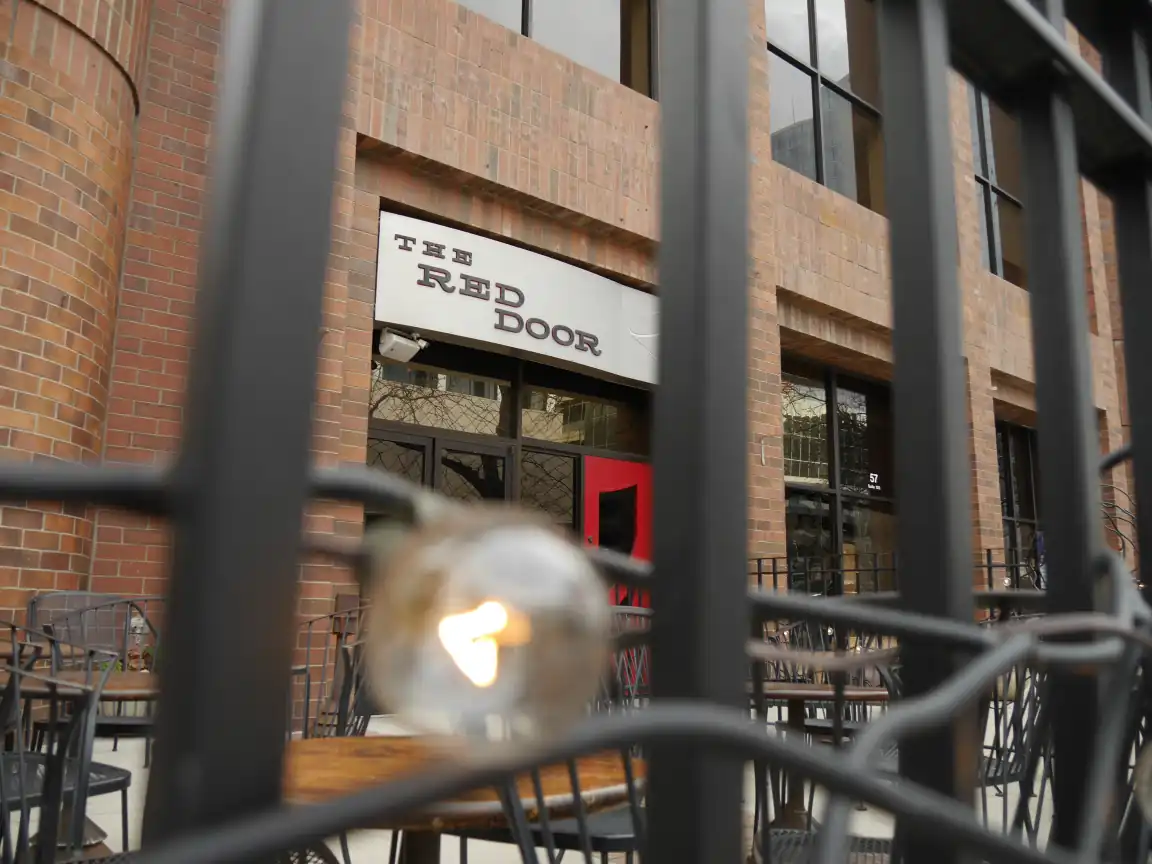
x=793 y=812
x=318 y=769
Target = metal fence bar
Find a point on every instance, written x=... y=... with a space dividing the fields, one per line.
x=700 y=438
x=934 y=536
x=240 y=491
x=1067 y=442
x=1126 y=50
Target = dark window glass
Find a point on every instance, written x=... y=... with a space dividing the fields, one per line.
x=397 y=457
x=506 y=12
x=865 y=421
x=472 y=476
x=565 y=418
x=997 y=161
x=853 y=150
x=440 y=399
x=839 y=145
x=1010 y=217
x=587 y=32
x=847 y=44
x=787 y=26
x=868 y=536
x=805 y=410
x=548 y=484
x=790 y=116
x=808 y=526
x=1023 y=540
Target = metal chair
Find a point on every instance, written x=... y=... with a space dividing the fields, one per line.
x=48 y=724
x=626 y=687
x=126 y=628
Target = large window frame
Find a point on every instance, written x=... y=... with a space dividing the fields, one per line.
x=989 y=190
x=1015 y=443
x=838 y=496
x=523 y=376
x=819 y=81
x=638 y=41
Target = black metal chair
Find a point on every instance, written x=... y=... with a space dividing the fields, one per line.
x=124 y=627
x=330 y=687
x=48 y=724
x=626 y=687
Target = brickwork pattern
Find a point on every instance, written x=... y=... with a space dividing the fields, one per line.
x=157 y=294
x=453 y=117
x=66 y=115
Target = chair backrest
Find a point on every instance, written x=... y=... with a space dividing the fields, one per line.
x=328 y=670
x=123 y=626
x=48 y=725
x=43 y=607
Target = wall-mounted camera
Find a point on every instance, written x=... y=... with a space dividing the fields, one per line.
x=397 y=347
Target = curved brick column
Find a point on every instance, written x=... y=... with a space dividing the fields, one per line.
x=67 y=108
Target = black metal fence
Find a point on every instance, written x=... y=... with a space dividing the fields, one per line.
x=265 y=254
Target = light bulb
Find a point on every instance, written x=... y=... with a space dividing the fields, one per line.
x=487 y=623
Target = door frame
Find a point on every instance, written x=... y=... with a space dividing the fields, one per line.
x=451 y=443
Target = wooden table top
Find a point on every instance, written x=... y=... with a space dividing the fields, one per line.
x=792 y=692
x=317 y=769
x=120 y=686
x=823 y=661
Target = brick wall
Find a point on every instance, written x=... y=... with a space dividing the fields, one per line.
x=67 y=105
x=151 y=350
x=449 y=114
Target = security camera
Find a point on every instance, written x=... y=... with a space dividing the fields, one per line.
x=397 y=347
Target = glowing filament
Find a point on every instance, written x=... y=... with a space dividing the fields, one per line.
x=469 y=640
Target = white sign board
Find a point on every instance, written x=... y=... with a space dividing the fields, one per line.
x=439 y=281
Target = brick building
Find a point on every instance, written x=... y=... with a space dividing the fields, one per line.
x=522 y=154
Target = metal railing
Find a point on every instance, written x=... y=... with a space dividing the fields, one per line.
x=260 y=307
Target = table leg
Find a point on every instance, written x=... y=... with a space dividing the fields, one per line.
x=420 y=847
x=793 y=811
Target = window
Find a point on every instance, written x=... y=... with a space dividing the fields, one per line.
x=563 y=418
x=612 y=37
x=823 y=55
x=999 y=187
x=840 y=520
x=426 y=396
x=1019 y=501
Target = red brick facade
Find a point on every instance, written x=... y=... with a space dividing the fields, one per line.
x=105 y=122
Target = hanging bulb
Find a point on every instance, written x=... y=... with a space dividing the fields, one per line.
x=485 y=623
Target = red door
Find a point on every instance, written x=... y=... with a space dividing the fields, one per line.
x=618 y=512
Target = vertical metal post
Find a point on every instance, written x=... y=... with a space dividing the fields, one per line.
x=1130 y=72
x=1067 y=440
x=700 y=441
x=241 y=480
x=934 y=535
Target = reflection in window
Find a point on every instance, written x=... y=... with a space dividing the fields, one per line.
x=472 y=476
x=564 y=418
x=424 y=396
x=868 y=538
x=506 y=12
x=790 y=115
x=865 y=422
x=1019 y=482
x=996 y=154
x=587 y=31
x=805 y=430
x=808 y=523
x=548 y=484
x=612 y=37
x=845 y=73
